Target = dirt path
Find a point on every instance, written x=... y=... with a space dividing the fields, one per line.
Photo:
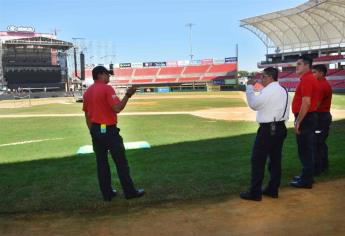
x=319 y=211
x=70 y=100
x=247 y=114
x=229 y=114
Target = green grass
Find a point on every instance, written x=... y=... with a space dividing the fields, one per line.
x=191 y=158
x=135 y=105
x=338 y=101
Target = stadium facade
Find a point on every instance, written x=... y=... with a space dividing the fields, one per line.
x=315 y=28
x=30 y=60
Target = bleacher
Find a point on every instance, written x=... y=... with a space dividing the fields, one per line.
x=290 y=80
x=174 y=74
x=329 y=58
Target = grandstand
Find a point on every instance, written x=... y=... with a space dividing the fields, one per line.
x=315 y=28
x=32 y=61
x=215 y=75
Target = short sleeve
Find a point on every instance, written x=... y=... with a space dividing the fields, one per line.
x=111 y=97
x=84 y=103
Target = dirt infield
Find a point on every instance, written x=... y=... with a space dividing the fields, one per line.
x=319 y=211
x=35 y=102
x=228 y=114
x=69 y=100
x=246 y=114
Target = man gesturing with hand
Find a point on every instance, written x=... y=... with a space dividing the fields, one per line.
x=101 y=106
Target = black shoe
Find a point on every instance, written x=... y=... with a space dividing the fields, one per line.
x=137 y=194
x=249 y=196
x=296 y=178
x=300 y=184
x=112 y=195
x=270 y=194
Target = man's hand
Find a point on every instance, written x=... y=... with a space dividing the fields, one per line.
x=131 y=91
x=297 y=127
x=251 y=82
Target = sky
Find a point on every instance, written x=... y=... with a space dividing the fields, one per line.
x=151 y=30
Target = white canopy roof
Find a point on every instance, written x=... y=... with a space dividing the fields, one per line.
x=312 y=25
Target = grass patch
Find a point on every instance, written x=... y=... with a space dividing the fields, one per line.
x=191 y=158
x=338 y=101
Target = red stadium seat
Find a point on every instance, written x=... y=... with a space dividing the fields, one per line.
x=166 y=80
x=123 y=72
x=142 y=81
x=196 y=69
x=223 y=68
x=188 y=79
x=146 y=71
x=171 y=71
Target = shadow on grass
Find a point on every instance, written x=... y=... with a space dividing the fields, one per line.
x=206 y=170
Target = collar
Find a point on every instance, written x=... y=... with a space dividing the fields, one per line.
x=272 y=84
x=99 y=81
x=307 y=74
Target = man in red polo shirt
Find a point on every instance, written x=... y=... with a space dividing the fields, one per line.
x=101 y=106
x=304 y=107
x=325 y=119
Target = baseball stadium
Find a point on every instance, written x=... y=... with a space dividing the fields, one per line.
x=188 y=133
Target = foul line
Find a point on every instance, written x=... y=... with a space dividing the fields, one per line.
x=30 y=141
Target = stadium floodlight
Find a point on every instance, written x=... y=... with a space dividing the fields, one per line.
x=190 y=25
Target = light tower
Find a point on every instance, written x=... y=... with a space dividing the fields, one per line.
x=190 y=25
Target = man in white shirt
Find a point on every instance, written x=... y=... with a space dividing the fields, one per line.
x=272 y=106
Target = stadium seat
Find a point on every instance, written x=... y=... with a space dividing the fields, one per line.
x=171 y=71
x=200 y=69
x=146 y=71
x=222 y=68
x=188 y=79
x=123 y=72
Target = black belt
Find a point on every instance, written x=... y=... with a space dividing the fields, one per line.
x=277 y=123
x=309 y=113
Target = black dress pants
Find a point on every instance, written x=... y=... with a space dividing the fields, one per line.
x=111 y=141
x=306 y=142
x=267 y=145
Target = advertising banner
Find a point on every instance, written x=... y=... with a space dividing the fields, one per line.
x=137 y=64
x=230 y=59
x=125 y=65
x=154 y=64
x=171 y=63
x=206 y=61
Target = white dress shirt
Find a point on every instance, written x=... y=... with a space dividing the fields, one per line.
x=269 y=103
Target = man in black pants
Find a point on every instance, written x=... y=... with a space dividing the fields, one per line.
x=101 y=106
x=325 y=119
x=272 y=106
x=304 y=107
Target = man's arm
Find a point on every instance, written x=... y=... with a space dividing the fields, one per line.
x=306 y=102
x=120 y=106
x=88 y=122
x=255 y=102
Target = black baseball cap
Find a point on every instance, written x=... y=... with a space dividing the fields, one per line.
x=100 y=70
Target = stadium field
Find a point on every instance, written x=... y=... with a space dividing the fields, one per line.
x=191 y=159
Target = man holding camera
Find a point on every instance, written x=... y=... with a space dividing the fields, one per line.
x=101 y=106
x=272 y=106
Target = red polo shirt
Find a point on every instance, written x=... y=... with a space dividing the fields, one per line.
x=98 y=100
x=326 y=96
x=307 y=87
